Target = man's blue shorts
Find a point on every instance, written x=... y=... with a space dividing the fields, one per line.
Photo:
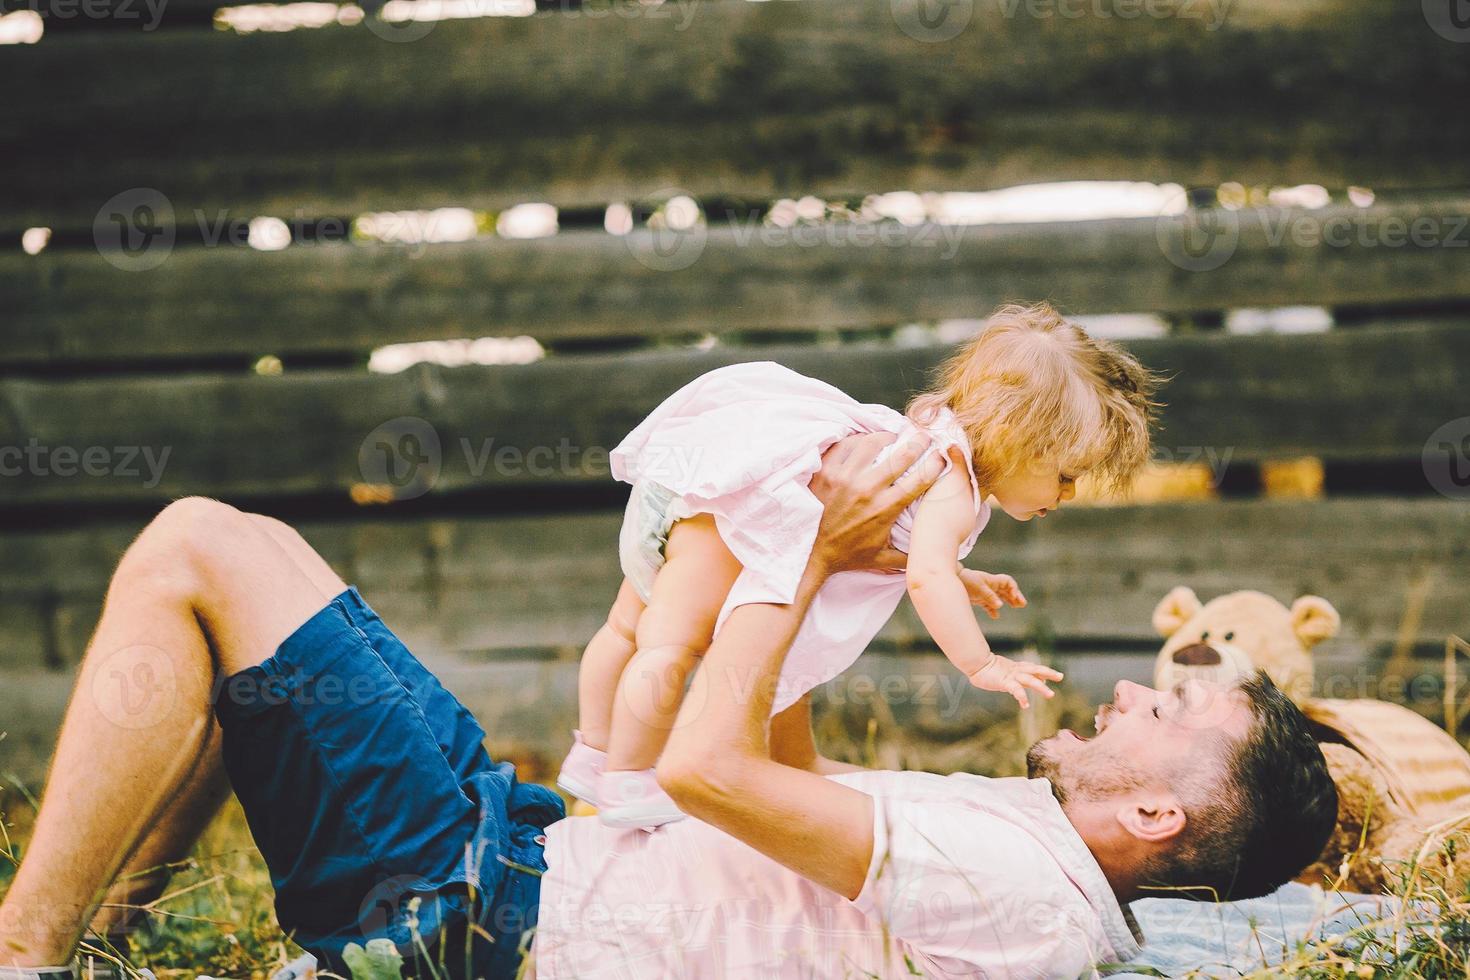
x=366 y=787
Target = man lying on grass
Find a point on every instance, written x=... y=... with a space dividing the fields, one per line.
x=365 y=783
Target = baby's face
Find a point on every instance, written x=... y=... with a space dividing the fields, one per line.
x=1034 y=490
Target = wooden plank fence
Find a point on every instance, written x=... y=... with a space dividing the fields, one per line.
x=1257 y=13
x=493 y=587
x=553 y=422
x=728 y=98
x=121 y=389
x=347 y=299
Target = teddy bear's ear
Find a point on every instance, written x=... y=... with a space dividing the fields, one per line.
x=1175 y=609
x=1313 y=619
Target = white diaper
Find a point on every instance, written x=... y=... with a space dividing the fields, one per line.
x=653 y=510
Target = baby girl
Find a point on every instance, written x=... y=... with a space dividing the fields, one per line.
x=721 y=515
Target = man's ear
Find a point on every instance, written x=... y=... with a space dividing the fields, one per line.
x=1158 y=818
x=1314 y=620
x=1175 y=609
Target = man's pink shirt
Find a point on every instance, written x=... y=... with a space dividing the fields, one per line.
x=970 y=877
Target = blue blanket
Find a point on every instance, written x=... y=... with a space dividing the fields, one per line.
x=1231 y=938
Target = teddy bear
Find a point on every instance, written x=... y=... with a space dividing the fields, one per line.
x=1403 y=784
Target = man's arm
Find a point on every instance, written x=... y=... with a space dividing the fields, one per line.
x=717 y=765
x=792 y=743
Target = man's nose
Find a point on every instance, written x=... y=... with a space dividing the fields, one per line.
x=1126 y=694
x=1069 y=490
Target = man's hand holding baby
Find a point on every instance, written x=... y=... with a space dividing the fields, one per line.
x=861 y=498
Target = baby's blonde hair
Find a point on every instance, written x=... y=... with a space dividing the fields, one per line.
x=1033 y=385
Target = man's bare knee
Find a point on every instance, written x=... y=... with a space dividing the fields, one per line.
x=284 y=535
x=189 y=521
x=274 y=526
x=306 y=558
x=180 y=541
x=242 y=574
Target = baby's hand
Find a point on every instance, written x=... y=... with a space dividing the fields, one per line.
x=1014 y=676
x=989 y=591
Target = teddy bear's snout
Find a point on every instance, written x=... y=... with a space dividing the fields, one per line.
x=1197 y=655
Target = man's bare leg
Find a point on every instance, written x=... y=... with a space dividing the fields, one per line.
x=146 y=874
x=205 y=589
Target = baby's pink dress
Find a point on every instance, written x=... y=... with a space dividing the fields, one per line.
x=742 y=443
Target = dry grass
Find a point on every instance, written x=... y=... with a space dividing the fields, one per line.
x=1427 y=936
x=217 y=919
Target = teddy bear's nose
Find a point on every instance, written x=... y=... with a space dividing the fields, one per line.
x=1197 y=655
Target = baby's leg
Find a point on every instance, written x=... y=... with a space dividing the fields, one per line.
x=603 y=664
x=673 y=631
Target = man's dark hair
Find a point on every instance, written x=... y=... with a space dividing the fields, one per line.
x=1269 y=820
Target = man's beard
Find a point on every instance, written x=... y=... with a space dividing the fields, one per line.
x=1086 y=773
x=1041 y=764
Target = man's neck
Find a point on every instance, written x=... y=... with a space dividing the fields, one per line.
x=1117 y=853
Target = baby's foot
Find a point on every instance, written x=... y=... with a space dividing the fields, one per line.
x=581 y=769
x=632 y=798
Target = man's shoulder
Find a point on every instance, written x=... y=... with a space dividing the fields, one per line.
x=978 y=874
x=975 y=823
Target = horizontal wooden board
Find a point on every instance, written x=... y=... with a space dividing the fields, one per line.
x=1348 y=395
x=729 y=98
x=497 y=587
x=76 y=306
x=66 y=17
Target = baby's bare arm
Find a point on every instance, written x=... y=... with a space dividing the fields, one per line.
x=942 y=599
x=945 y=517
